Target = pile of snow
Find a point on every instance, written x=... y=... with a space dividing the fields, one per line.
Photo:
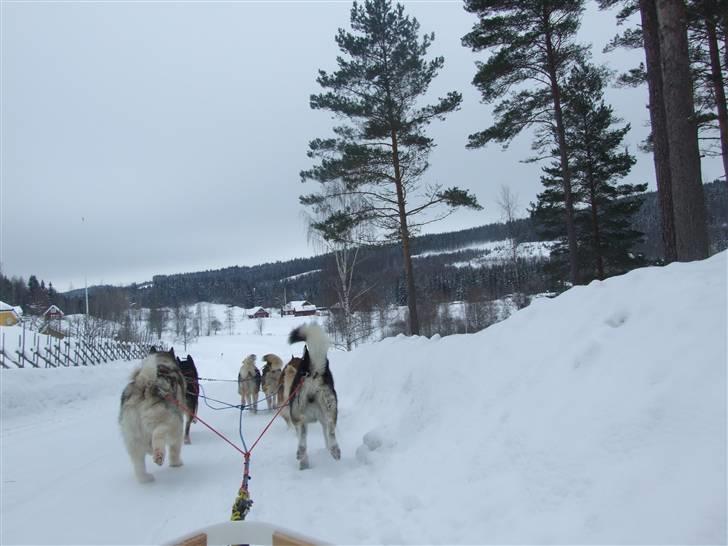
x=596 y=417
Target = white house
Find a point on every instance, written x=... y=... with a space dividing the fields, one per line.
x=300 y=308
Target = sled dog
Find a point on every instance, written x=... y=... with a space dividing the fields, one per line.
x=285 y=383
x=151 y=411
x=192 y=391
x=249 y=383
x=315 y=396
x=270 y=378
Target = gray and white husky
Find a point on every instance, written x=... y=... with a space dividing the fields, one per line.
x=315 y=399
x=151 y=414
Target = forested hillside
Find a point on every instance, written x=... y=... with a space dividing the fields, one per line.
x=379 y=272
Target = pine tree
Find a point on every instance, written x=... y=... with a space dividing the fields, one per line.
x=380 y=155
x=691 y=230
x=683 y=71
x=647 y=37
x=705 y=33
x=532 y=43
x=604 y=209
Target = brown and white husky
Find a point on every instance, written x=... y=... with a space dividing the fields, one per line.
x=249 y=383
x=270 y=379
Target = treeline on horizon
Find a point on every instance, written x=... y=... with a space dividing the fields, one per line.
x=381 y=267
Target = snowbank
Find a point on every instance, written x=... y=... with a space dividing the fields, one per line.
x=596 y=417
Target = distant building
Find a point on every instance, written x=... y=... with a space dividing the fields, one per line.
x=9 y=315
x=301 y=308
x=257 y=312
x=52 y=313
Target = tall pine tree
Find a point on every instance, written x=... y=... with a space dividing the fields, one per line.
x=647 y=37
x=380 y=154
x=604 y=208
x=532 y=44
x=691 y=228
x=683 y=71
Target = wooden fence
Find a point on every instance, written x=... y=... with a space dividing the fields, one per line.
x=34 y=350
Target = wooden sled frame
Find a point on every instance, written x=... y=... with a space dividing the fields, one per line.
x=244 y=532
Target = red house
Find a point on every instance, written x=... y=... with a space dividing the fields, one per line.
x=53 y=312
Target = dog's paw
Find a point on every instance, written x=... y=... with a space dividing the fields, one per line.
x=303 y=464
x=300 y=453
x=145 y=478
x=335 y=452
x=158 y=456
x=176 y=463
x=187 y=440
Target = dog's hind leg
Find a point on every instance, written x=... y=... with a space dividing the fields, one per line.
x=330 y=439
x=188 y=422
x=327 y=402
x=140 y=467
x=175 y=449
x=160 y=436
x=301 y=454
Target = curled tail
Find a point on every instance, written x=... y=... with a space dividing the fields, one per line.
x=317 y=344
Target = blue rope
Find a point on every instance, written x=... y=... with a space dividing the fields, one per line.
x=227 y=405
x=240 y=429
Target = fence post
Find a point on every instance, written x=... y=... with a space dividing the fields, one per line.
x=48 y=363
x=68 y=353
x=93 y=353
x=79 y=358
x=58 y=352
x=10 y=359
x=50 y=360
x=86 y=356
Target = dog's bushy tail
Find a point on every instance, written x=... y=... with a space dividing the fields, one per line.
x=317 y=343
x=274 y=361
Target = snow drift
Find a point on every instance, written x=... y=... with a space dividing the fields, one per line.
x=596 y=417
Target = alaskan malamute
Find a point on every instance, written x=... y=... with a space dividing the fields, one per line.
x=151 y=414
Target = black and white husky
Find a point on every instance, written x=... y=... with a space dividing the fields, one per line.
x=151 y=414
x=315 y=397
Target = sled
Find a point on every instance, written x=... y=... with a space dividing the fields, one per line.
x=244 y=532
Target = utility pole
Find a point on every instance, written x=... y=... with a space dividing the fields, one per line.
x=85 y=277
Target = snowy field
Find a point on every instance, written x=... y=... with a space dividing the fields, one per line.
x=495 y=252
x=598 y=417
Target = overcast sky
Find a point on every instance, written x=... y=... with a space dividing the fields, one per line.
x=152 y=138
